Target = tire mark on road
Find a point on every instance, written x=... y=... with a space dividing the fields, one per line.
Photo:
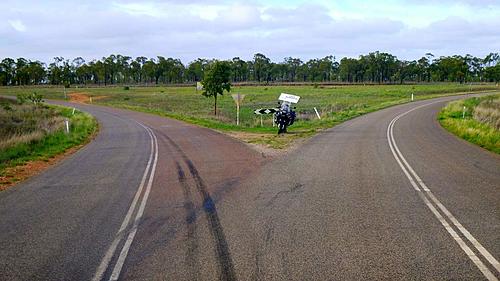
x=226 y=267
x=191 y=217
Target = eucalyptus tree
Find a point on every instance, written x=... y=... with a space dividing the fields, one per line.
x=239 y=69
x=261 y=67
x=293 y=67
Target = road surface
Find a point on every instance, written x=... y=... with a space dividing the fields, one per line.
x=387 y=196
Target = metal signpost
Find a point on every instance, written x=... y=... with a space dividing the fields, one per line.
x=238 y=99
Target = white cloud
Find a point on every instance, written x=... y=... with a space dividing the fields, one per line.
x=17 y=25
x=220 y=29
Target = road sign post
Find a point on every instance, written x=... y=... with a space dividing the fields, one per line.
x=238 y=99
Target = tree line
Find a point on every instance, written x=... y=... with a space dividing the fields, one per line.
x=375 y=67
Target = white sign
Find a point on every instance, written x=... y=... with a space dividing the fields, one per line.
x=199 y=86
x=289 y=98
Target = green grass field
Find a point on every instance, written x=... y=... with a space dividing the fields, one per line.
x=37 y=132
x=335 y=104
x=478 y=124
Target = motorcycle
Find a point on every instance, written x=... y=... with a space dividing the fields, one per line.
x=284 y=117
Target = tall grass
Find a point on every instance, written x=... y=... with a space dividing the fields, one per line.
x=23 y=123
x=36 y=132
x=479 y=123
x=488 y=112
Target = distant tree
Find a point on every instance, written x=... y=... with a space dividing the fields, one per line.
x=239 y=69
x=293 y=67
x=261 y=67
x=493 y=73
x=216 y=80
x=194 y=72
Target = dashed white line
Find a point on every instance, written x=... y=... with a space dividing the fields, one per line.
x=425 y=193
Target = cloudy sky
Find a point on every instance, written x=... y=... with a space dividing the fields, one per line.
x=225 y=29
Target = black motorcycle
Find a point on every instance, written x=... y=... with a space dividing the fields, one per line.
x=284 y=117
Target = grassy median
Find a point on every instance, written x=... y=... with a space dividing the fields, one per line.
x=36 y=132
x=476 y=120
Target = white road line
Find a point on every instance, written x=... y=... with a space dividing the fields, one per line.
x=119 y=235
x=126 y=247
x=399 y=159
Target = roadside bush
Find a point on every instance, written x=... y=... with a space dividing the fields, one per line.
x=33 y=97
x=126 y=88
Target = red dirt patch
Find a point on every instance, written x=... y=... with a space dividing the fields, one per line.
x=83 y=97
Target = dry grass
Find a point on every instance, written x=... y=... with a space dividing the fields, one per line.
x=26 y=123
x=488 y=112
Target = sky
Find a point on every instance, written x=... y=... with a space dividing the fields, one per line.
x=191 y=29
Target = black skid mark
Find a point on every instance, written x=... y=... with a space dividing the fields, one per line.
x=226 y=267
x=192 y=239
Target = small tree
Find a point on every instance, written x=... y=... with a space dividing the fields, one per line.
x=216 y=80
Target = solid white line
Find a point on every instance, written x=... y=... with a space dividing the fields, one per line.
x=494 y=262
x=119 y=235
x=126 y=247
x=479 y=264
x=399 y=157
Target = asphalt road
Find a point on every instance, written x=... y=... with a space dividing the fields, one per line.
x=387 y=196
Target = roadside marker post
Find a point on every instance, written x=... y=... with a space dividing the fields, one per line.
x=73 y=113
x=317 y=114
x=66 y=123
x=238 y=99
x=411 y=96
x=90 y=99
x=463 y=113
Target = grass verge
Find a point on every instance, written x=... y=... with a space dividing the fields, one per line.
x=476 y=120
x=335 y=104
x=25 y=151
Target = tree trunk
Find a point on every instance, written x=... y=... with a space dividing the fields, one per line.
x=215 y=105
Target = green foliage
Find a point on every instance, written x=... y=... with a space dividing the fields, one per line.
x=216 y=81
x=32 y=97
x=126 y=88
